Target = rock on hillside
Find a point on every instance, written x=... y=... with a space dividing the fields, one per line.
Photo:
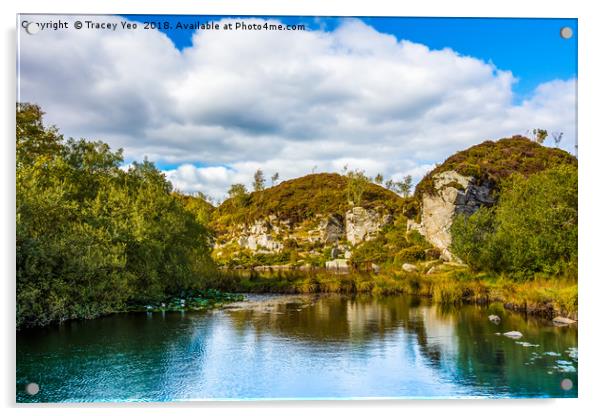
x=470 y=179
x=308 y=214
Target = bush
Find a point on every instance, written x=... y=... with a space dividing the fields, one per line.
x=410 y=255
x=91 y=236
x=532 y=230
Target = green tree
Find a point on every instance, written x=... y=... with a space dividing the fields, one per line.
x=533 y=228
x=357 y=182
x=378 y=179
x=238 y=192
x=92 y=237
x=540 y=135
x=405 y=186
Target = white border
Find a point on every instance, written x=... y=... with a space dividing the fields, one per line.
x=590 y=36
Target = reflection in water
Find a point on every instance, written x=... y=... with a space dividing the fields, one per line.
x=298 y=346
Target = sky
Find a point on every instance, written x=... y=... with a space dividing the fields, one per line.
x=385 y=95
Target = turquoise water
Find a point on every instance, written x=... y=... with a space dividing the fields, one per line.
x=299 y=347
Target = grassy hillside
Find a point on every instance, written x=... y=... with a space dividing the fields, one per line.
x=300 y=199
x=492 y=161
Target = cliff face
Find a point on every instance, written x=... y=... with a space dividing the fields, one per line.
x=453 y=194
x=469 y=179
x=337 y=233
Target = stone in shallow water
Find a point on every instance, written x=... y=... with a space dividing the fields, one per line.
x=513 y=334
x=572 y=352
x=495 y=319
x=560 y=320
x=527 y=344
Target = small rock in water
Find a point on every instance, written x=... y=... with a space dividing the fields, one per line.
x=527 y=344
x=495 y=319
x=513 y=334
x=573 y=353
x=552 y=354
x=561 y=320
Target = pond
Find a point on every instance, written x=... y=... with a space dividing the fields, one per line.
x=277 y=346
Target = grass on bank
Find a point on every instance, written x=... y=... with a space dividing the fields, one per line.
x=448 y=285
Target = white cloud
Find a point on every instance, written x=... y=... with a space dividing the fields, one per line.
x=287 y=102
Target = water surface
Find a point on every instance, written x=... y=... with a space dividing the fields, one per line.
x=327 y=346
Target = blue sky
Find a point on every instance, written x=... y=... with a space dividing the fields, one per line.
x=345 y=93
x=531 y=48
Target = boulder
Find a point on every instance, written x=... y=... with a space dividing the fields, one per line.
x=495 y=319
x=337 y=264
x=409 y=267
x=513 y=334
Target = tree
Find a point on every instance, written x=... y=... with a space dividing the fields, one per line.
x=33 y=139
x=258 y=181
x=378 y=179
x=275 y=177
x=405 y=186
x=357 y=182
x=557 y=137
x=92 y=237
x=533 y=228
x=238 y=192
x=540 y=135
x=402 y=187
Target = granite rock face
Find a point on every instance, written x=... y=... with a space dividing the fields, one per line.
x=364 y=224
x=267 y=235
x=454 y=194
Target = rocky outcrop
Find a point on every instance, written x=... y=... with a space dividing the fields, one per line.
x=364 y=224
x=453 y=194
x=331 y=229
x=269 y=235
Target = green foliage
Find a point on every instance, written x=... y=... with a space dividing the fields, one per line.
x=540 y=135
x=92 y=237
x=410 y=255
x=532 y=230
x=238 y=195
x=392 y=245
x=491 y=162
x=357 y=183
x=402 y=187
x=198 y=205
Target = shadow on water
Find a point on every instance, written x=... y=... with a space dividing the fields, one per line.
x=299 y=346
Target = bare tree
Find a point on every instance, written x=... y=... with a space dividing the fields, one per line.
x=258 y=181
x=557 y=137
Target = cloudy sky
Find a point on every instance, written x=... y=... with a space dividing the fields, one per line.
x=391 y=96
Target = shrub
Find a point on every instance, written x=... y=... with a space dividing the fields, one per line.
x=532 y=230
x=410 y=255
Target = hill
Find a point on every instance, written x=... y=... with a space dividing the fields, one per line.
x=492 y=161
x=303 y=198
x=472 y=178
x=304 y=221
